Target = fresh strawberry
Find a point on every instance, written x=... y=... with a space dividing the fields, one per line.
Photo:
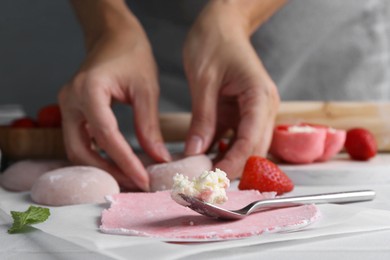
x=283 y=127
x=50 y=116
x=24 y=122
x=222 y=146
x=360 y=144
x=263 y=175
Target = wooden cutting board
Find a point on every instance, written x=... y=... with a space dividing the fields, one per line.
x=31 y=143
x=343 y=115
x=47 y=143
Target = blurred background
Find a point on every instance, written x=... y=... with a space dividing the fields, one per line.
x=314 y=50
x=41 y=46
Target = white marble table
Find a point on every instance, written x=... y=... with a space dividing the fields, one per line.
x=73 y=234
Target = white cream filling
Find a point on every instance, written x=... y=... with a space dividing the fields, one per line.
x=210 y=187
x=301 y=129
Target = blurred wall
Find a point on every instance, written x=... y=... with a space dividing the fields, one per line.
x=41 y=47
x=309 y=55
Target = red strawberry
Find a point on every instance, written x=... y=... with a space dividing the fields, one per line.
x=360 y=144
x=263 y=175
x=24 y=122
x=50 y=116
x=222 y=146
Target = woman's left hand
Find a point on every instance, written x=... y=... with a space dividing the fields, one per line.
x=230 y=88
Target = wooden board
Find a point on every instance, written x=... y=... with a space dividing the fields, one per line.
x=48 y=143
x=31 y=143
x=343 y=115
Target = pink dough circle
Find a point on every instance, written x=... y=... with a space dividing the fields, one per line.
x=157 y=215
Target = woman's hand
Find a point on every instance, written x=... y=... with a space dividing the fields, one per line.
x=119 y=68
x=230 y=88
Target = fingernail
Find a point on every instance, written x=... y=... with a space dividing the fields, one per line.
x=142 y=184
x=163 y=151
x=142 y=181
x=194 y=145
x=145 y=187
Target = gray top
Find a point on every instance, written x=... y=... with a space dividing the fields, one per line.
x=314 y=50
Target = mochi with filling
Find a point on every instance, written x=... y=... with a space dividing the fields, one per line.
x=298 y=144
x=335 y=139
x=306 y=143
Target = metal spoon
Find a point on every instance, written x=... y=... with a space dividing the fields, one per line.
x=213 y=211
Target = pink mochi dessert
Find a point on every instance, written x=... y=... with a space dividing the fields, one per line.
x=73 y=185
x=306 y=143
x=21 y=175
x=161 y=174
x=335 y=139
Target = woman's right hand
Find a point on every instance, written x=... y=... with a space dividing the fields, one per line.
x=119 y=67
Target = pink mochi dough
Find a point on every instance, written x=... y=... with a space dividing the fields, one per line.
x=21 y=175
x=161 y=175
x=334 y=142
x=298 y=147
x=155 y=214
x=73 y=185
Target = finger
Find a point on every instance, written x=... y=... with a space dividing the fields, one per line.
x=249 y=131
x=147 y=123
x=223 y=147
x=77 y=140
x=104 y=128
x=203 y=121
x=219 y=135
x=77 y=145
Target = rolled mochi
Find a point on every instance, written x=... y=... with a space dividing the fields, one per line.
x=73 y=185
x=335 y=139
x=161 y=175
x=306 y=143
x=298 y=146
x=21 y=175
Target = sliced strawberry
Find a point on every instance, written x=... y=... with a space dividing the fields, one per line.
x=360 y=144
x=50 y=116
x=24 y=122
x=263 y=175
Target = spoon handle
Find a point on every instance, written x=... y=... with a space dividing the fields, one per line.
x=336 y=197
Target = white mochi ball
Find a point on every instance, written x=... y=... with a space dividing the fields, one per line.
x=161 y=175
x=21 y=175
x=73 y=185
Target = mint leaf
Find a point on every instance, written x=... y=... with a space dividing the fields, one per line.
x=32 y=215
